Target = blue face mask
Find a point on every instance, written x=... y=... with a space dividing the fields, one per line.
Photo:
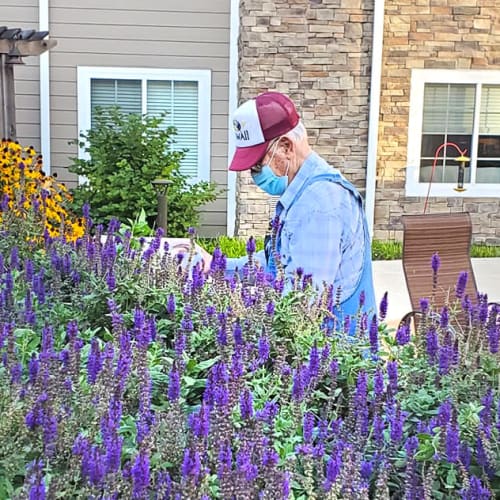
x=267 y=180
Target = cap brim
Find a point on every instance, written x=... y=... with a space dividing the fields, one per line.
x=246 y=158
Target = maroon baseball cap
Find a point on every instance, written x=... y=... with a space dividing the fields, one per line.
x=256 y=123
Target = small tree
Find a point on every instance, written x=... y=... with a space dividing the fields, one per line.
x=125 y=153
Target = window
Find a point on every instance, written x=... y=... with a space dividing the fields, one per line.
x=461 y=109
x=183 y=94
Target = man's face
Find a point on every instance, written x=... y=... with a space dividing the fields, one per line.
x=274 y=157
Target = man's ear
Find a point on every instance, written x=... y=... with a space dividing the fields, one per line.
x=287 y=145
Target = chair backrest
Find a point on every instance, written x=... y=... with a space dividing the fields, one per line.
x=449 y=235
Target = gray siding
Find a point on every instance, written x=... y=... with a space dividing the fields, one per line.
x=192 y=34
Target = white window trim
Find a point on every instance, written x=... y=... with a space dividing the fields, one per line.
x=203 y=77
x=419 y=77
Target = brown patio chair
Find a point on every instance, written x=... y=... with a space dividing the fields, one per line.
x=448 y=235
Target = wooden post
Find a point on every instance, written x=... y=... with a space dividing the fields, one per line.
x=8 y=96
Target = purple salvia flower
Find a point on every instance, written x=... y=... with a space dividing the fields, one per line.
x=378 y=383
x=334 y=369
x=246 y=405
x=180 y=344
x=268 y=413
x=111 y=280
x=411 y=447
x=314 y=362
x=383 y=307
x=465 y=455
x=199 y=422
x=424 y=305
x=300 y=383
x=362 y=297
x=33 y=368
x=452 y=442
x=493 y=337
x=269 y=457
x=29 y=270
x=366 y=470
x=263 y=349
x=225 y=459
x=16 y=372
x=392 y=372
x=360 y=402
x=14 y=257
x=308 y=427
x=435 y=263
x=251 y=245
x=444 y=318
x=475 y=491
x=124 y=363
x=140 y=472
x=373 y=334
x=270 y=308
x=325 y=353
x=403 y=334
x=461 y=284
x=396 y=423
x=94 y=363
x=378 y=430
x=191 y=466
x=171 y=304
x=245 y=466
x=485 y=414
x=237 y=366
x=432 y=344
x=333 y=467
x=174 y=385
x=285 y=489
x=237 y=334
x=444 y=413
x=49 y=434
x=37 y=482
x=446 y=357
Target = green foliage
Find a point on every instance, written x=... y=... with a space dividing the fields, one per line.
x=124 y=154
x=231 y=247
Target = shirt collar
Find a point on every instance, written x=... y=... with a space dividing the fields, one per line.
x=305 y=171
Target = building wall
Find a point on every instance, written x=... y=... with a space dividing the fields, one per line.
x=319 y=53
x=445 y=34
x=24 y=14
x=192 y=34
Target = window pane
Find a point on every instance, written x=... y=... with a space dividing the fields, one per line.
x=431 y=144
x=448 y=108
x=489 y=122
x=111 y=92
x=489 y=146
x=488 y=172
x=180 y=101
x=447 y=173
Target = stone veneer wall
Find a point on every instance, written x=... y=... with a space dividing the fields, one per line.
x=446 y=34
x=319 y=52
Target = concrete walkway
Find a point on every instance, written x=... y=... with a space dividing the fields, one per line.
x=388 y=276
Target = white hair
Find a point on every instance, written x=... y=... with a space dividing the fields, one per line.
x=298 y=133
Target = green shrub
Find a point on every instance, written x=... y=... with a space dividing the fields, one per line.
x=125 y=153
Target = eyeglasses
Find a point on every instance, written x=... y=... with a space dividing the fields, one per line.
x=257 y=168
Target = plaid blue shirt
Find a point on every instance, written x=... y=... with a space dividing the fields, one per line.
x=322 y=230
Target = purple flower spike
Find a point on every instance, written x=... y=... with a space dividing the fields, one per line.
x=403 y=334
x=383 y=307
x=171 y=304
x=308 y=427
x=461 y=284
x=246 y=405
x=251 y=245
x=435 y=263
x=374 y=335
x=452 y=443
x=174 y=386
x=140 y=475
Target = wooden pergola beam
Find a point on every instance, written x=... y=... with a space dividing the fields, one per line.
x=25 y=48
x=12 y=50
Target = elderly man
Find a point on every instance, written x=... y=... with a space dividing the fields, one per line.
x=322 y=227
